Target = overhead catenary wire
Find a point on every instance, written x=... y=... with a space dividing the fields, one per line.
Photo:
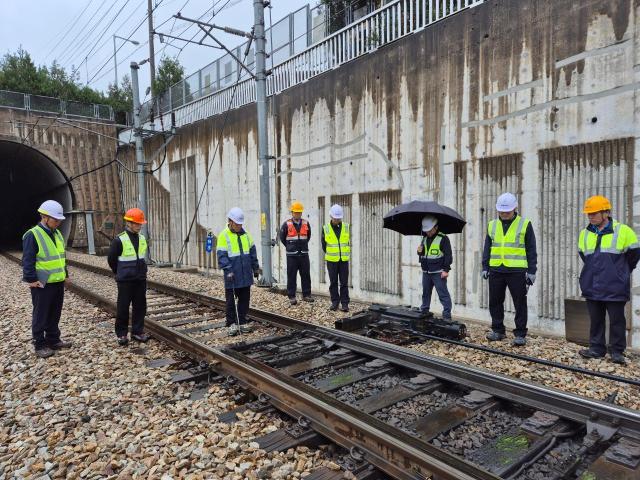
x=215 y=151
x=108 y=38
x=128 y=37
x=68 y=28
x=79 y=41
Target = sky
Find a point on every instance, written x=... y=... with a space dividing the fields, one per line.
x=79 y=33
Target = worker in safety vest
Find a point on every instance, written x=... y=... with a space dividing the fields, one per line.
x=44 y=270
x=238 y=260
x=435 y=259
x=610 y=252
x=127 y=260
x=295 y=234
x=509 y=260
x=336 y=244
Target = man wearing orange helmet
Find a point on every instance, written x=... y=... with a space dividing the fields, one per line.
x=127 y=260
x=295 y=234
x=610 y=252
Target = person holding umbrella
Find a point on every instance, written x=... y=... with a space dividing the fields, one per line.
x=435 y=258
x=509 y=260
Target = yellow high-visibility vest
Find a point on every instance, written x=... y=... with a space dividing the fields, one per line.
x=508 y=249
x=51 y=257
x=337 y=249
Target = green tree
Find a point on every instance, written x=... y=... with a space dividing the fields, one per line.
x=121 y=99
x=169 y=72
x=19 y=74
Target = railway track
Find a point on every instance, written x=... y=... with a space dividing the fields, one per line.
x=409 y=415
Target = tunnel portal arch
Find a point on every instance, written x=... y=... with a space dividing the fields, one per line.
x=27 y=178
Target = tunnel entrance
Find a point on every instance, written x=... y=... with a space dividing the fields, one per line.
x=27 y=178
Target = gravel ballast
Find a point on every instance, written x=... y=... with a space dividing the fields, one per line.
x=97 y=410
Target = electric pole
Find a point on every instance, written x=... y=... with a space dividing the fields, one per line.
x=140 y=161
x=152 y=50
x=263 y=145
x=260 y=77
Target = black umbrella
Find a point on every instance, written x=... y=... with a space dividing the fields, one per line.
x=407 y=218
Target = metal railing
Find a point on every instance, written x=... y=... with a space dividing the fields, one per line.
x=40 y=103
x=387 y=24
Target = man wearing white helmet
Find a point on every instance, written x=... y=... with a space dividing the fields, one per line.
x=336 y=244
x=238 y=260
x=435 y=259
x=509 y=260
x=44 y=270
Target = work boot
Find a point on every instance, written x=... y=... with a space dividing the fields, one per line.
x=233 y=330
x=618 y=357
x=588 y=353
x=308 y=299
x=293 y=301
x=123 y=341
x=519 y=342
x=44 y=352
x=333 y=307
x=140 y=337
x=60 y=344
x=495 y=336
x=246 y=328
x=345 y=307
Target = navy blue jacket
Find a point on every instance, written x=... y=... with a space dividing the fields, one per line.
x=529 y=245
x=242 y=266
x=115 y=250
x=606 y=277
x=29 y=252
x=443 y=263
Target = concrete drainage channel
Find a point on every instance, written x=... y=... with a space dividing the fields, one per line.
x=409 y=415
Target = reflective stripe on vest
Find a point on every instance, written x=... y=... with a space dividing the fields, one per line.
x=233 y=248
x=293 y=234
x=128 y=251
x=51 y=258
x=337 y=249
x=508 y=249
x=433 y=252
x=622 y=239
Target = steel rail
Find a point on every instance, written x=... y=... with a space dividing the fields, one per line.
x=567 y=405
x=258 y=314
x=391 y=450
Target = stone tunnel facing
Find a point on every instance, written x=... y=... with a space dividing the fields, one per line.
x=27 y=178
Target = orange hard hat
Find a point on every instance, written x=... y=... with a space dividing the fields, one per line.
x=135 y=215
x=597 y=203
x=297 y=207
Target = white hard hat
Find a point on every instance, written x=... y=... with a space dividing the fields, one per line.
x=237 y=215
x=428 y=222
x=52 y=209
x=507 y=202
x=336 y=212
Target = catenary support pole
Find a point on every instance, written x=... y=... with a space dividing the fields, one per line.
x=140 y=162
x=263 y=155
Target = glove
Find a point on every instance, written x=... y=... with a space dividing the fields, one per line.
x=257 y=272
x=530 y=278
x=230 y=276
x=485 y=274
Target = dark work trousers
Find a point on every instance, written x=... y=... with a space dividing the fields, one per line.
x=47 y=308
x=338 y=271
x=498 y=284
x=135 y=294
x=243 y=295
x=430 y=280
x=295 y=264
x=617 y=326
